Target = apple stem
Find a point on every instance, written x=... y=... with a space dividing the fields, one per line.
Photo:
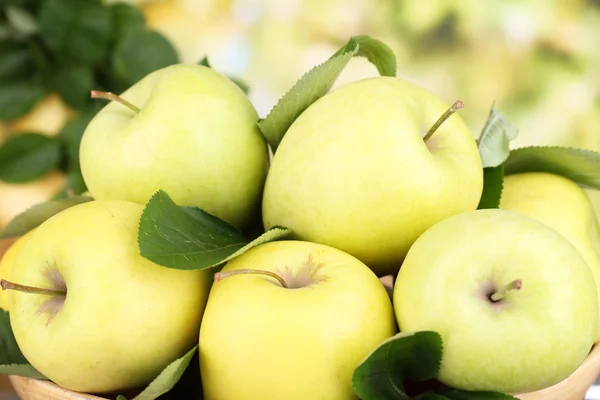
x=499 y=295
x=455 y=107
x=113 y=97
x=7 y=285
x=223 y=275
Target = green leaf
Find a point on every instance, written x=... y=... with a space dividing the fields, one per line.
x=205 y=62
x=167 y=378
x=28 y=156
x=241 y=84
x=318 y=81
x=76 y=30
x=73 y=83
x=15 y=63
x=21 y=20
x=141 y=52
x=493 y=183
x=495 y=138
x=190 y=238
x=377 y=52
x=413 y=356
x=37 y=214
x=71 y=134
x=12 y=361
x=452 y=394
x=125 y=18
x=581 y=166
x=18 y=98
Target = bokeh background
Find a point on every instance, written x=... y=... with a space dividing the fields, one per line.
x=537 y=61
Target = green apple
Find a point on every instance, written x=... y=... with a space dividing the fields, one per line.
x=105 y=318
x=195 y=136
x=513 y=300
x=562 y=205
x=354 y=171
x=291 y=320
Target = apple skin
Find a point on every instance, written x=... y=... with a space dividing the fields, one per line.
x=195 y=137
x=354 y=173
x=6 y=266
x=260 y=341
x=562 y=205
x=124 y=318
x=531 y=339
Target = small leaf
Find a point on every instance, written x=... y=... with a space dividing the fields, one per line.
x=28 y=156
x=581 y=166
x=21 y=20
x=141 y=52
x=37 y=214
x=413 y=356
x=167 y=378
x=494 y=139
x=76 y=30
x=125 y=18
x=190 y=238
x=205 y=62
x=73 y=83
x=377 y=52
x=18 y=98
x=15 y=63
x=12 y=361
x=493 y=183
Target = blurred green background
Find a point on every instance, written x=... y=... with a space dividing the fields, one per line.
x=537 y=61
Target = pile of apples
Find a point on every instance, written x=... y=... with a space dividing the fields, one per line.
x=378 y=177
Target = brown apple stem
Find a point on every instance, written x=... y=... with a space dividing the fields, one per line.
x=223 y=275
x=499 y=295
x=455 y=107
x=113 y=97
x=7 y=285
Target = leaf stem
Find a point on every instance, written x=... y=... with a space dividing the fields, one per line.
x=7 y=285
x=499 y=295
x=453 y=108
x=113 y=97
x=223 y=275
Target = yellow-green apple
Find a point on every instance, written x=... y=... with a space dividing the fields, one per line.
x=562 y=205
x=195 y=136
x=513 y=300
x=356 y=170
x=291 y=320
x=6 y=265
x=104 y=318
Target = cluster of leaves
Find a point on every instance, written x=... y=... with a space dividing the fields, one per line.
x=404 y=366
x=68 y=48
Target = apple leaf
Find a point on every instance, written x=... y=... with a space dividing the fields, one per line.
x=28 y=156
x=12 y=361
x=412 y=356
x=579 y=165
x=167 y=379
x=318 y=81
x=494 y=139
x=18 y=98
x=190 y=238
x=37 y=214
x=493 y=183
x=21 y=20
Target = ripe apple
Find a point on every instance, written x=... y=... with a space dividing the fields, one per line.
x=195 y=136
x=7 y=261
x=513 y=300
x=562 y=205
x=354 y=171
x=260 y=340
x=105 y=318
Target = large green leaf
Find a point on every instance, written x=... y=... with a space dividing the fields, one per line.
x=15 y=63
x=493 y=183
x=579 y=165
x=37 y=214
x=18 y=98
x=190 y=238
x=125 y=18
x=318 y=81
x=27 y=157
x=73 y=82
x=76 y=30
x=12 y=361
x=140 y=52
x=495 y=138
x=21 y=20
